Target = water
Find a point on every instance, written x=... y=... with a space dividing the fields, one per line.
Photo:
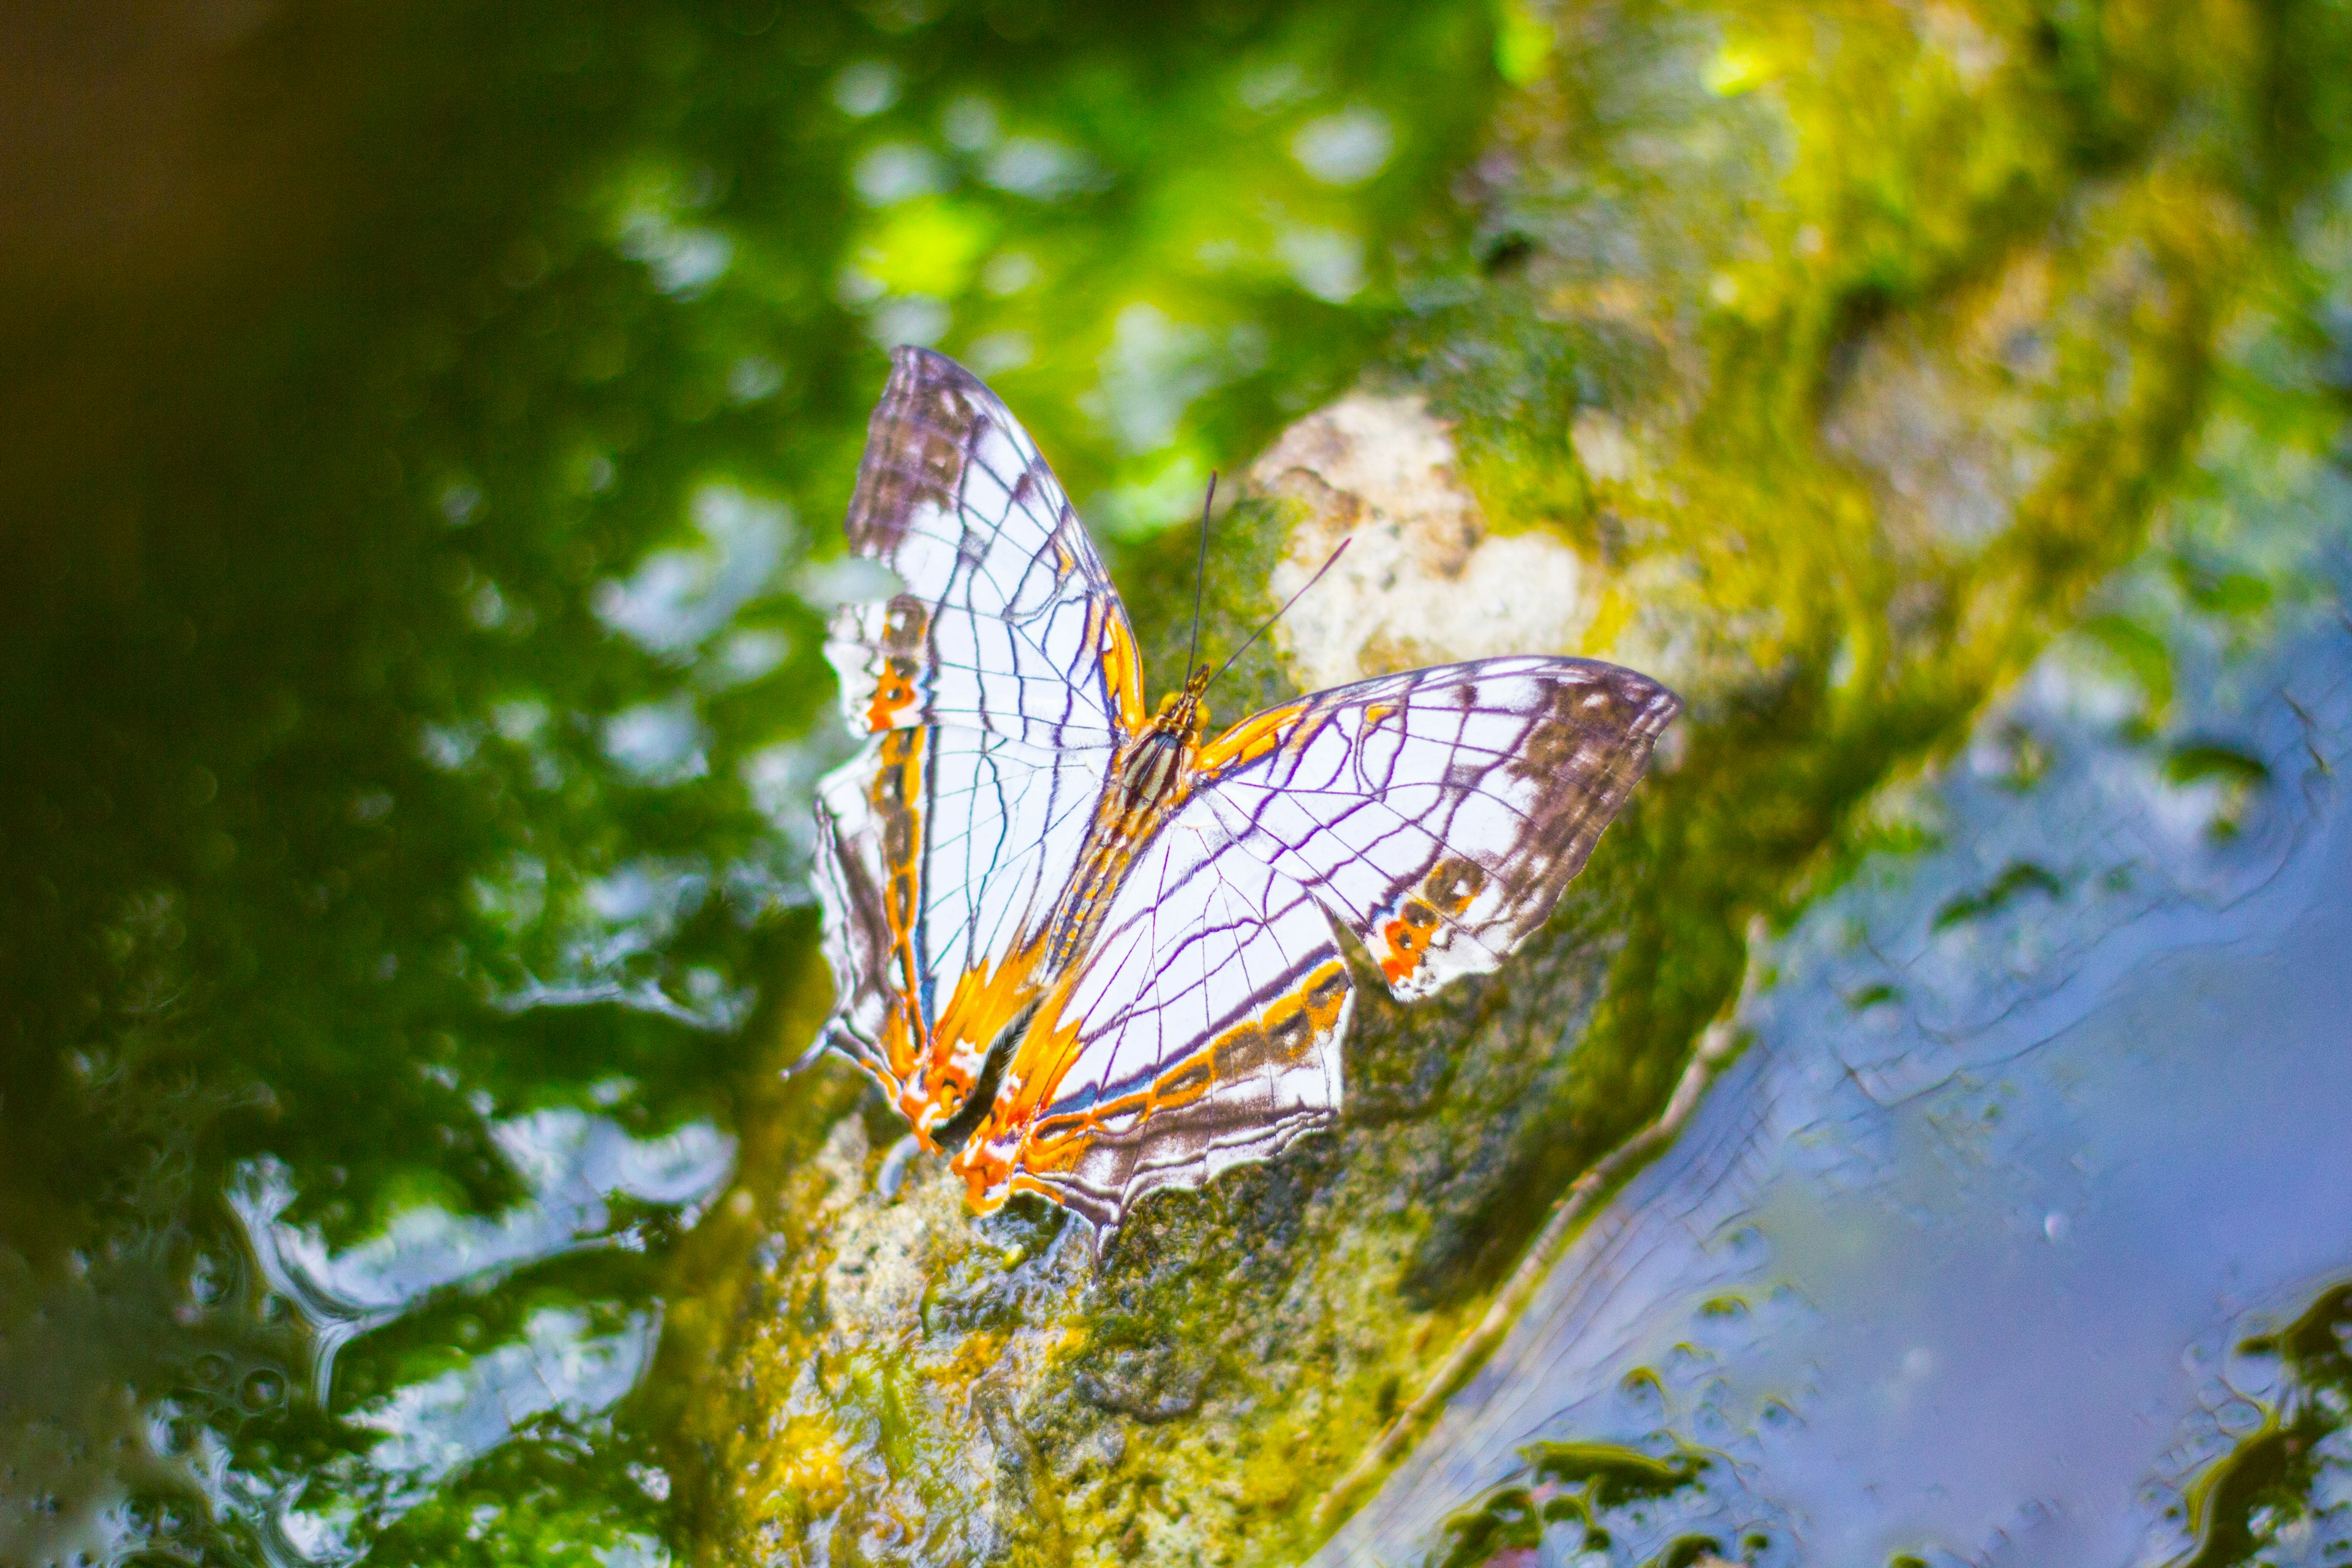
x=1983 y=1250
x=426 y=432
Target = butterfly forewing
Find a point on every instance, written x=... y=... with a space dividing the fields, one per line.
x=995 y=688
x=1439 y=814
x=1008 y=622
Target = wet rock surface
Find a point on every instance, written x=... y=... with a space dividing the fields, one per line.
x=2018 y=1232
x=1830 y=424
x=1425 y=579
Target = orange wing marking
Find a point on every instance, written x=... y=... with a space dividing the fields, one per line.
x=898 y=785
x=1408 y=939
x=1453 y=883
x=904 y=621
x=984 y=1001
x=892 y=694
x=1122 y=665
x=1043 y=1055
x=1448 y=890
x=1014 y=1147
x=1250 y=738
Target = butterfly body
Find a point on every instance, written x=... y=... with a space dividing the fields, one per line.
x=1151 y=769
x=1150 y=777
x=1089 y=953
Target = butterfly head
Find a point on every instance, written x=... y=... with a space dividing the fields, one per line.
x=1182 y=712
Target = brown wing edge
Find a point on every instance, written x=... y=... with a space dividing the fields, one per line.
x=1597 y=730
x=915 y=447
x=1106 y=1214
x=1103 y=1208
x=1599 y=735
x=856 y=945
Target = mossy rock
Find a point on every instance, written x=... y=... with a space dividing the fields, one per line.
x=1827 y=418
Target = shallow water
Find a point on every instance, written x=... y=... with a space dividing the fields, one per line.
x=2038 y=1134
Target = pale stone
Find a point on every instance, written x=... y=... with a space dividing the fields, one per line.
x=1424 y=581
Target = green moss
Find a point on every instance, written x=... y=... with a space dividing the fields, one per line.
x=1721 y=330
x=1576 y=1487
x=2280 y=1477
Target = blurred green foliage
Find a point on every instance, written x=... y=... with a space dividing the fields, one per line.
x=425 y=431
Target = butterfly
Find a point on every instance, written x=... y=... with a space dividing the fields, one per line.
x=1090 y=950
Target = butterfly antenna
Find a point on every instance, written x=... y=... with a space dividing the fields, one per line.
x=1200 y=575
x=1329 y=562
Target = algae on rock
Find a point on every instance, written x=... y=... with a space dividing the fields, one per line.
x=1816 y=363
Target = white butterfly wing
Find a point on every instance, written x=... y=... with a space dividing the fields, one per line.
x=942 y=851
x=1437 y=815
x=1202 y=1031
x=996 y=687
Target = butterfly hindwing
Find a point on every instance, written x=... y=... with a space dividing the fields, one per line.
x=942 y=851
x=995 y=688
x=1201 y=1031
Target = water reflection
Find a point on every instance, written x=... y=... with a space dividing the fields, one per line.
x=417 y=552
x=1581 y=1496
x=576 y=1167
x=2017 y=1234
x=678 y=598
